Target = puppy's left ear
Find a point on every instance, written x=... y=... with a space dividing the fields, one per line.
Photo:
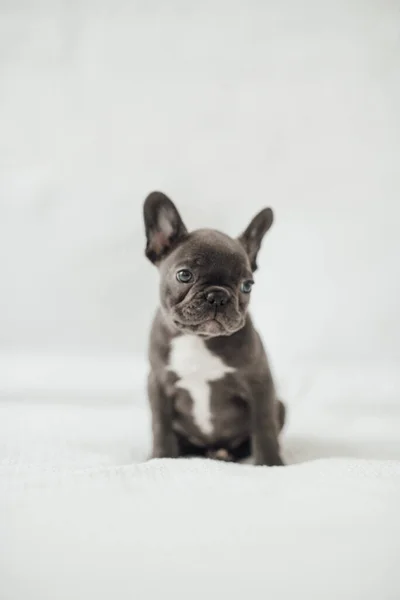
x=164 y=226
x=252 y=237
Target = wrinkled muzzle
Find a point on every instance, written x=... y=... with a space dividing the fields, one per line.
x=211 y=311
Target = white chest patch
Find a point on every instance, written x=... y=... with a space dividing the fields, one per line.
x=196 y=367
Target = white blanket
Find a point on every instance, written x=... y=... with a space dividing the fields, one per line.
x=80 y=520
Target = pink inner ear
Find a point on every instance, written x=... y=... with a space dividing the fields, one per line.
x=159 y=242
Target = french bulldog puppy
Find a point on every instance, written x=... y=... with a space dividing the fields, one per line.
x=210 y=386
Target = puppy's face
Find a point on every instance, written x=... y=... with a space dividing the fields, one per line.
x=206 y=283
x=206 y=276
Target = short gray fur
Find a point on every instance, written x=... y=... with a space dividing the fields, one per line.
x=247 y=417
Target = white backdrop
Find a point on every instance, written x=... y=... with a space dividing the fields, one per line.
x=227 y=107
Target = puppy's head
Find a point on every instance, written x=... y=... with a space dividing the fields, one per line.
x=206 y=276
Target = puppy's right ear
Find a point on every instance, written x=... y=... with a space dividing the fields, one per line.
x=164 y=226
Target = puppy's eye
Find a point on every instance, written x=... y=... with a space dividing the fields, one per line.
x=184 y=276
x=246 y=286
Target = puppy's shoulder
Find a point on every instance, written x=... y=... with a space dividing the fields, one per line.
x=160 y=341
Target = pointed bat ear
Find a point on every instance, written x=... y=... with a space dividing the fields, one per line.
x=252 y=237
x=164 y=226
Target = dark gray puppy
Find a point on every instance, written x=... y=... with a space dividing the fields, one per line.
x=210 y=387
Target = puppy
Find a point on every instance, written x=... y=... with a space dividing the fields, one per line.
x=210 y=386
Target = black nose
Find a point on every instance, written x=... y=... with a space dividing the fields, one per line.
x=217 y=296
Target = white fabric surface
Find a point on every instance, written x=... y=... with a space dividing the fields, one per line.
x=79 y=519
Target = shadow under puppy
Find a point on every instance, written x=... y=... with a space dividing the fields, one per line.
x=210 y=386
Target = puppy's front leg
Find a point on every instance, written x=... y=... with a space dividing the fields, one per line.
x=165 y=444
x=265 y=445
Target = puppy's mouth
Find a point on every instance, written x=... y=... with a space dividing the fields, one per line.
x=208 y=328
x=211 y=328
x=207 y=319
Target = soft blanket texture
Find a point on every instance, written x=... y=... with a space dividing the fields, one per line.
x=80 y=520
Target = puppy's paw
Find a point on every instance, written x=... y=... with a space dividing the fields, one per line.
x=168 y=449
x=269 y=460
x=221 y=454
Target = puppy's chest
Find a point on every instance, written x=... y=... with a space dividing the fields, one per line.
x=197 y=368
